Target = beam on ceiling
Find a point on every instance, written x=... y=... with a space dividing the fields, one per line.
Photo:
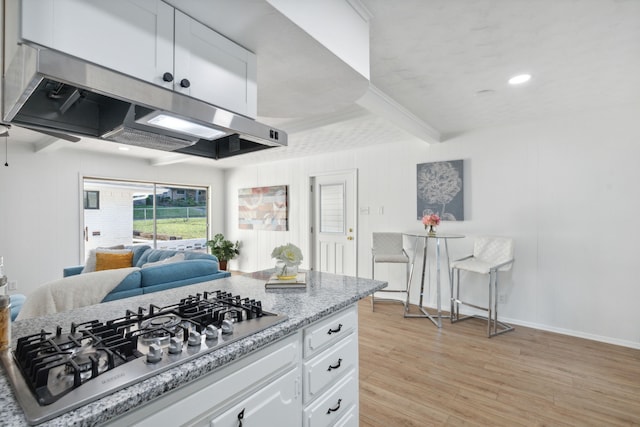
x=169 y=160
x=314 y=122
x=47 y=144
x=382 y=105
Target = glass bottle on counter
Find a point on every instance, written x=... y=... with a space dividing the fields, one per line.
x=5 y=310
x=3 y=277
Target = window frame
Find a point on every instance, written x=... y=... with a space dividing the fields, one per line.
x=154 y=242
x=89 y=202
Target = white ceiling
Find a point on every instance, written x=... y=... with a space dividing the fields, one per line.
x=445 y=61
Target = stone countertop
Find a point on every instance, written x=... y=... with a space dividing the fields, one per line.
x=324 y=295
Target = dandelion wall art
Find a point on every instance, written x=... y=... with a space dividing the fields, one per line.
x=440 y=191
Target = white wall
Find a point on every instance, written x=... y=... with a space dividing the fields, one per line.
x=40 y=204
x=256 y=245
x=564 y=189
x=113 y=222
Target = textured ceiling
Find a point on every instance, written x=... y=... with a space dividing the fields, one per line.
x=445 y=61
x=448 y=61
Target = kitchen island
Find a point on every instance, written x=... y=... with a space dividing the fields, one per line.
x=327 y=298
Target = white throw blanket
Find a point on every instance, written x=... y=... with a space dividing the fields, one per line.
x=72 y=292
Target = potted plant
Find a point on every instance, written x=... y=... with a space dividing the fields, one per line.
x=223 y=249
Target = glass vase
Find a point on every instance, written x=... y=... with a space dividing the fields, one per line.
x=286 y=271
x=431 y=232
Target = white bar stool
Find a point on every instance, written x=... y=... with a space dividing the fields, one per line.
x=389 y=248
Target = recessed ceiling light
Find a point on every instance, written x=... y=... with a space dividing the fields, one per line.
x=519 y=79
x=123 y=148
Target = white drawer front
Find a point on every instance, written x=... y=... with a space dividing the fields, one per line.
x=331 y=330
x=350 y=419
x=278 y=404
x=334 y=404
x=329 y=366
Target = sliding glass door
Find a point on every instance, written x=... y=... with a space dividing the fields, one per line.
x=164 y=216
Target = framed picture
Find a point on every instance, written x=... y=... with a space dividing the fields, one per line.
x=263 y=208
x=440 y=190
x=92 y=200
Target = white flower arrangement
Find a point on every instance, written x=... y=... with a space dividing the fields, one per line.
x=290 y=254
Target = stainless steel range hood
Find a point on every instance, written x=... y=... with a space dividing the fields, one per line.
x=49 y=91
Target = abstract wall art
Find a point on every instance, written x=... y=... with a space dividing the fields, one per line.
x=440 y=191
x=263 y=208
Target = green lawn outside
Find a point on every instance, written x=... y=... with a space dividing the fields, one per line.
x=192 y=228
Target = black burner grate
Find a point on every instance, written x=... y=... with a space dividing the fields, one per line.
x=53 y=364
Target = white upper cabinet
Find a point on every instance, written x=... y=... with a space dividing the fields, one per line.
x=214 y=68
x=136 y=37
x=131 y=36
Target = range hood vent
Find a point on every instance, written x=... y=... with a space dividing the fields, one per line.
x=140 y=138
x=133 y=133
x=49 y=91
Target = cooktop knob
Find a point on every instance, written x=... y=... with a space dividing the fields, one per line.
x=194 y=338
x=155 y=353
x=175 y=345
x=227 y=326
x=211 y=332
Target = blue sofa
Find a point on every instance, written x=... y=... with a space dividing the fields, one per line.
x=197 y=267
x=16 y=304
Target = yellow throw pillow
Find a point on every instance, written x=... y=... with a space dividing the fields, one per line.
x=107 y=261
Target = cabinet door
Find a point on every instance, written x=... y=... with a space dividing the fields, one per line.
x=219 y=71
x=275 y=405
x=214 y=394
x=134 y=37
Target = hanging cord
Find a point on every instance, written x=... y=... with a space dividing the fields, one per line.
x=5 y=128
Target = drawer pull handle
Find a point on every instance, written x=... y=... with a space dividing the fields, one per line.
x=335 y=366
x=334 y=409
x=240 y=417
x=334 y=331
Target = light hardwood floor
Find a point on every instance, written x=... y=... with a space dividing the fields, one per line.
x=412 y=374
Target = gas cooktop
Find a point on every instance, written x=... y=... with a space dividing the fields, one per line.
x=53 y=372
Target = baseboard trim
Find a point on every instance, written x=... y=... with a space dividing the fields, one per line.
x=542 y=327
x=570 y=332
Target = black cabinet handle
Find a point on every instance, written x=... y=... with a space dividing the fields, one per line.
x=167 y=77
x=185 y=83
x=334 y=331
x=336 y=408
x=240 y=417
x=335 y=366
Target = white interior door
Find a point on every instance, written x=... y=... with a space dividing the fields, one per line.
x=334 y=233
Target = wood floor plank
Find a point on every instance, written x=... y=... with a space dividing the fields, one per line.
x=414 y=374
